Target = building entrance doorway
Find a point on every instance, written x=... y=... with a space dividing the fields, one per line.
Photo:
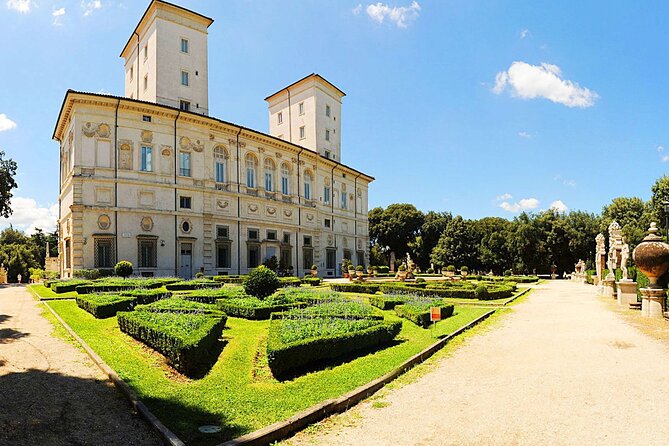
x=185 y=265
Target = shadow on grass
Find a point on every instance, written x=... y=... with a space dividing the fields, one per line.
x=204 y=367
x=323 y=365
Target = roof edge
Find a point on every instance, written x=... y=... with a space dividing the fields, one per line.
x=302 y=80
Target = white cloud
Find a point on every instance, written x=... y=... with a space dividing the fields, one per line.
x=503 y=197
x=525 y=204
x=559 y=206
x=57 y=16
x=525 y=33
x=90 y=6
x=527 y=81
x=399 y=15
x=660 y=148
x=525 y=135
x=567 y=182
x=665 y=158
x=6 y=123
x=22 y=6
x=357 y=10
x=28 y=215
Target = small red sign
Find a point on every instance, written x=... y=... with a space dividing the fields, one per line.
x=435 y=314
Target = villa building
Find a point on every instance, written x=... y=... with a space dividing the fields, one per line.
x=153 y=179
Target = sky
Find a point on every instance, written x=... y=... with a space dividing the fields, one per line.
x=479 y=108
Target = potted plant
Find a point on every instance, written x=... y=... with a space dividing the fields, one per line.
x=464 y=271
x=359 y=271
x=351 y=270
x=449 y=271
x=402 y=272
x=370 y=270
x=344 y=268
x=314 y=270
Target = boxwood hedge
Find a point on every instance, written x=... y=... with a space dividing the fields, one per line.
x=67 y=286
x=104 y=305
x=367 y=288
x=178 y=304
x=386 y=302
x=254 y=308
x=189 y=285
x=419 y=314
x=188 y=341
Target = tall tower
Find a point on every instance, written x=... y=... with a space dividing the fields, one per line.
x=308 y=113
x=166 y=58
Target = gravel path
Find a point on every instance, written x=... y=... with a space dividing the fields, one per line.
x=561 y=369
x=51 y=392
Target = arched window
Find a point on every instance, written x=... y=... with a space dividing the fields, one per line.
x=285 y=178
x=251 y=170
x=220 y=164
x=308 y=178
x=270 y=173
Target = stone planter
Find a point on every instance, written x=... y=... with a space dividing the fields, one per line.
x=359 y=274
x=314 y=273
x=464 y=273
x=449 y=273
x=402 y=275
x=351 y=274
x=652 y=258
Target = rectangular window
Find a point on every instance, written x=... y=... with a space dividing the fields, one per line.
x=301 y=108
x=184 y=45
x=184 y=105
x=307 y=241
x=147 y=254
x=284 y=186
x=104 y=253
x=146 y=51
x=307 y=258
x=271 y=235
x=184 y=164
x=250 y=177
x=327 y=154
x=326 y=194
x=184 y=202
x=146 y=118
x=253 y=256
x=307 y=191
x=147 y=159
x=220 y=172
x=222 y=255
x=146 y=81
x=268 y=182
x=302 y=133
x=184 y=78
x=330 y=258
x=132 y=73
x=286 y=238
x=222 y=232
x=327 y=136
x=343 y=200
x=279 y=118
x=327 y=111
x=327 y=223
x=253 y=234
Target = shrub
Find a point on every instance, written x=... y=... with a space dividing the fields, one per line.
x=402 y=267
x=187 y=340
x=367 y=288
x=67 y=285
x=123 y=269
x=196 y=284
x=210 y=296
x=112 y=285
x=261 y=282
x=418 y=311
x=450 y=268
x=464 y=269
x=430 y=271
x=104 y=305
x=199 y=275
x=283 y=357
x=313 y=281
x=481 y=292
x=177 y=304
x=229 y=279
x=383 y=269
x=387 y=302
x=36 y=274
x=271 y=263
x=420 y=280
x=290 y=281
x=359 y=268
x=314 y=267
x=508 y=273
x=254 y=308
x=143 y=296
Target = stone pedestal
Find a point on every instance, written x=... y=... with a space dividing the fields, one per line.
x=652 y=302
x=626 y=292
x=607 y=289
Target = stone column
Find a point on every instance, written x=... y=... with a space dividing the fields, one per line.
x=652 y=302
x=608 y=288
x=626 y=292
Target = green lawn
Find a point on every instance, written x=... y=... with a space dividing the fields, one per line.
x=47 y=293
x=239 y=393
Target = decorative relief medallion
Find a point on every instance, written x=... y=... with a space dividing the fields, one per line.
x=89 y=129
x=187 y=144
x=293 y=160
x=350 y=197
x=104 y=130
x=271 y=211
x=327 y=181
x=104 y=222
x=288 y=213
x=261 y=150
x=253 y=207
x=184 y=142
x=198 y=146
x=222 y=204
x=278 y=155
x=310 y=217
x=330 y=240
x=166 y=152
x=186 y=226
x=125 y=157
x=359 y=192
x=147 y=224
x=67 y=226
x=147 y=136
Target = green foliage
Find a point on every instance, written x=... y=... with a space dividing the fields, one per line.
x=199 y=275
x=261 y=282
x=433 y=226
x=367 y=288
x=104 y=305
x=211 y=295
x=256 y=309
x=383 y=269
x=395 y=227
x=481 y=292
x=464 y=269
x=180 y=305
x=230 y=279
x=450 y=268
x=123 y=269
x=660 y=194
x=18 y=253
x=359 y=268
x=508 y=273
x=632 y=214
x=187 y=339
x=387 y=301
x=418 y=310
x=430 y=271
x=458 y=244
x=313 y=281
x=271 y=263
x=66 y=286
x=290 y=281
x=188 y=285
x=144 y=296
x=7 y=183
x=420 y=280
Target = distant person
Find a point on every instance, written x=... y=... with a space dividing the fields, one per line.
x=19 y=277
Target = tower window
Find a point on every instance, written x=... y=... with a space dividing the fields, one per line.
x=327 y=135
x=301 y=108
x=146 y=52
x=302 y=132
x=184 y=78
x=146 y=81
x=184 y=45
x=184 y=105
x=328 y=112
x=280 y=118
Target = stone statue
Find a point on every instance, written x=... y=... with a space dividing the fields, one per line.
x=611 y=264
x=600 y=252
x=624 y=256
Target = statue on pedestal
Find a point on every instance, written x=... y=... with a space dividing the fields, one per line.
x=624 y=256
x=600 y=252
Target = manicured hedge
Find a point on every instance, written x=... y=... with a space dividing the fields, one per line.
x=283 y=358
x=290 y=281
x=178 y=304
x=67 y=286
x=193 y=285
x=210 y=296
x=313 y=281
x=386 y=302
x=253 y=308
x=104 y=305
x=143 y=296
x=367 y=288
x=187 y=340
x=229 y=279
x=420 y=314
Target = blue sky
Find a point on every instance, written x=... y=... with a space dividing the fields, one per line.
x=475 y=107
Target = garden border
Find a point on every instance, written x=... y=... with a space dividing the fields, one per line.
x=283 y=429
x=167 y=435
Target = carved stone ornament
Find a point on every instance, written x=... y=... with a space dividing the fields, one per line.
x=166 y=151
x=293 y=160
x=330 y=240
x=186 y=226
x=287 y=212
x=147 y=136
x=327 y=181
x=253 y=207
x=104 y=222
x=271 y=211
x=350 y=197
x=187 y=144
x=147 y=224
x=222 y=204
x=198 y=146
x=89 y=129
x=70 y=137
x=67 y=226
x=310 y=217
x=359 y=244
x=184 y=142
x=359 y=192
x=104 y=130
x=345 y=242
x=279 y=155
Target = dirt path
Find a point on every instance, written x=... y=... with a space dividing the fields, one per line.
x=50 y=392
x=562 y=369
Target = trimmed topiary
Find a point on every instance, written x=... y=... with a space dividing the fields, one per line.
x=123 y=269
x=450 y=268
x=464 y=269
x=481 y=292
x=261 y=282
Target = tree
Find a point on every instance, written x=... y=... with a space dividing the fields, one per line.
x=40 y=240
x=632 y=214
x=458 y=245
x=660 y=195
x=123 y=269
x=18 y=253
x=583 y=228
x=7 y=183
x=494 y=248
x=395 y=227
x=434 y=224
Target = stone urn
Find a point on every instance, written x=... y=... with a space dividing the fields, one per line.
x=651 y=256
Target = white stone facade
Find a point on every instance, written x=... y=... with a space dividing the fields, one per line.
x=176 y=192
